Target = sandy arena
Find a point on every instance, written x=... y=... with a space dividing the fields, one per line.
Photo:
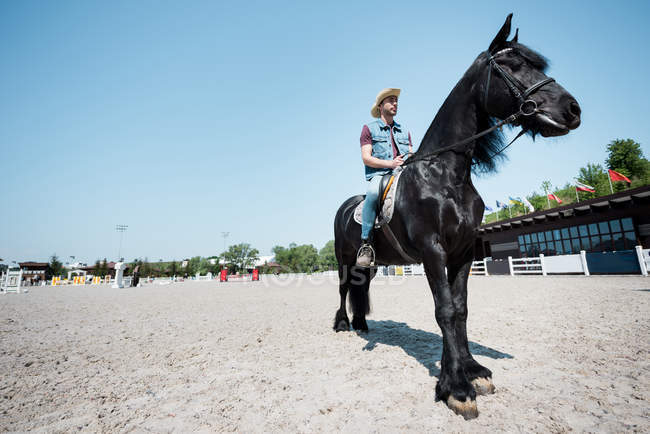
x=567 y=353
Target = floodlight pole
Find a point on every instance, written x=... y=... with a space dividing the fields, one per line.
x=224 y=235
x=121 y=229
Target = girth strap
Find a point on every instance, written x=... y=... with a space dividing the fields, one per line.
x=396 y=245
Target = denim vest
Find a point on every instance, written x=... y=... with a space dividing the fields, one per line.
x=382 y=147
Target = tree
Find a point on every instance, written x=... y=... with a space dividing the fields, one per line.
x=327 y=257
x=173 y=268
x=626 y=157
x=546 y=188
x=54 y=268
x=595 y=176
x=538 y=201
x=241 y=256
x=103 y=268
x=203 y=266
x=298 y=259
x=146 y=268
x=305 y=258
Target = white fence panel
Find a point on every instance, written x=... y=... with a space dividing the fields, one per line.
x=563 y=264
x=417 y=270
x=644 y=259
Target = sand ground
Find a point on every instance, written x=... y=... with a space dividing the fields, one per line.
x=567 y=353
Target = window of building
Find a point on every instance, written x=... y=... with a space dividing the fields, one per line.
x=617 y=234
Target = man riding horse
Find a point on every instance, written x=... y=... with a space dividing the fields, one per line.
x=384 y=145
x=437 y=210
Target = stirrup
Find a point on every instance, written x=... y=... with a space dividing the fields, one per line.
x=366 y=256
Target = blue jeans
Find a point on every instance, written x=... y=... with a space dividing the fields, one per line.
x=369 y=213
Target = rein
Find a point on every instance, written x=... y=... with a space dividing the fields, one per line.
x=527 y=107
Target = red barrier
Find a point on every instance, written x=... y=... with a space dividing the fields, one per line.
x=256 y=274
x=223 y=275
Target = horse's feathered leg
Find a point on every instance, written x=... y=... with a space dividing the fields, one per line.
x=453 y=386
x=341 y=320
x=359 y=296
x=480 y=376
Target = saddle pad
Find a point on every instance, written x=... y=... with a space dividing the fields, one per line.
x=387 y=207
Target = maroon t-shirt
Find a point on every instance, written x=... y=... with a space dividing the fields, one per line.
x=366 y=139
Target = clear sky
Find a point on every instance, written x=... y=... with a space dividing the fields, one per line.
x=184 y=120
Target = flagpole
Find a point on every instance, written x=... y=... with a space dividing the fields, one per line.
x=548 y=201
x=510 y=212
x=609 y=178
x=577 y=198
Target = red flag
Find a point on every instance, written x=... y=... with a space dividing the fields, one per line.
x=615 y=176
x=584 y=187
x=554 y=197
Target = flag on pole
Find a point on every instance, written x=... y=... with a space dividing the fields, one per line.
x=554 y=197
x=584 y=187
x=615 y=176
x=515 y=200
x=501 y=205
x=487 y=208
x=527 y=204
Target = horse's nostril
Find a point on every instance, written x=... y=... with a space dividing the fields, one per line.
x=575 y=109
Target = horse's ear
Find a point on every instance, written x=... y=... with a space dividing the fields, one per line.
x=516 y=38
x=502 y=37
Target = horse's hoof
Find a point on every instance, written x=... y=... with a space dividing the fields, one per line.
x=483 y=386
x=342 y=326
x=466 y=408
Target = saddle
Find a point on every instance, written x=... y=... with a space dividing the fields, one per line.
x=385 y=208
x=386 y=202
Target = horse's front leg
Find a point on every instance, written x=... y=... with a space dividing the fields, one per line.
x=479 y=375
x=453 y=386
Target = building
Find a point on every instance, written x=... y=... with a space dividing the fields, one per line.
x=33 y=271
x=617 y=222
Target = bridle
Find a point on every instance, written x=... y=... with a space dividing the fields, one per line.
x=527 y=107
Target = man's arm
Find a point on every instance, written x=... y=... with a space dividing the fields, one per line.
x=366 y=153
x=378 y=163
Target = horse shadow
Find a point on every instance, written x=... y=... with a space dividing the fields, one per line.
x=425 y=347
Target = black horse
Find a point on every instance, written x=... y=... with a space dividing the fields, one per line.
x=438 y=210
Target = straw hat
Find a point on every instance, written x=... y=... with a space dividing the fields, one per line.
x=389 y=91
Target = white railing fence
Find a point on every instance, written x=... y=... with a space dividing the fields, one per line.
x=479 y=268
x=527 y=265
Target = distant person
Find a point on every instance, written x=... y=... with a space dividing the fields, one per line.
x=136 y=276
x=385 y=144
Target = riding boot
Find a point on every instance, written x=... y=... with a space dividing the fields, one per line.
x=366 y=254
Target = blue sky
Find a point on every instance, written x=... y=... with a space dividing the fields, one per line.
x=188 y=119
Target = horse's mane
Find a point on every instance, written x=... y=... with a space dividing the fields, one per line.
x=533 y=57
x=486 y=159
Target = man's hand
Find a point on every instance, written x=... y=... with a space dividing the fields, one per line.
x=397 y=161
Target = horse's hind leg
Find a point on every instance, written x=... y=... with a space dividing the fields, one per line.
x=341 y=321
x=359 y=296
x=479 y=375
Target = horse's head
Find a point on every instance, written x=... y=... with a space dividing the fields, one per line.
x=515 y=80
